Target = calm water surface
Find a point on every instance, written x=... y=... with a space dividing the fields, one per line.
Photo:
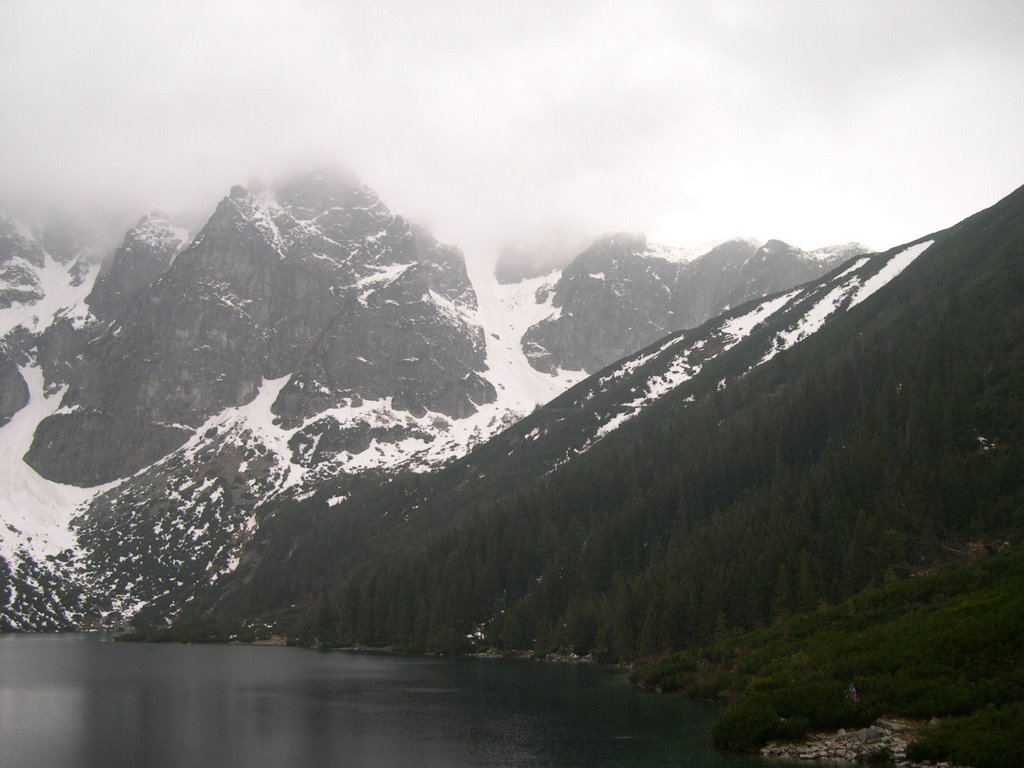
x=80 y=700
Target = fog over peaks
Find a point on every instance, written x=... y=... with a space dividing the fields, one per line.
x=815 y=123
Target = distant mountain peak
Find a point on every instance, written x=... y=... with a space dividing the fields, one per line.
x=773 y=245
x=840 y=251
x=623 y=293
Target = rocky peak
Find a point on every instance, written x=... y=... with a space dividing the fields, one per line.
x=145 y=253
x=312 y=193
x=608 y=300
x=732 y=254
x=774 y=246
x=446 y=267
x=621 y=249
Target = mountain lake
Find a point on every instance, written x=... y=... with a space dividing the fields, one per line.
x=83 y=700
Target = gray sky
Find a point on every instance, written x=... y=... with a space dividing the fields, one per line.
x=814 y=121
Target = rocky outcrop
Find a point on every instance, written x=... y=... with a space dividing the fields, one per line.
x=735 y=272
x=885 y=742
x=611 y=300
x=403 y=333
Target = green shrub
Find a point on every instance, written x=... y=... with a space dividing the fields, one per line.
x=749 y=725
x=990 y=738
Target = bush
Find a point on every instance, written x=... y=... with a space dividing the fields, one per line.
x=747 y=726
x=823 y=704
x=990 y=738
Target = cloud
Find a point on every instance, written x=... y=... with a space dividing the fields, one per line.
x=814 y=122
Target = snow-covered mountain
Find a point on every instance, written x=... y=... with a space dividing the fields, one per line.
x=157 y=409
x=305 y=333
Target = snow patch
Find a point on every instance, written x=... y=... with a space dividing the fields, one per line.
x=811 y=322
x=848 y=291
x=894 y=267
x=740 y=327
x=683 y=366
x=506 y=312
x=35 y=513
x=686 y=254
x=379 y=279
x=59 y=295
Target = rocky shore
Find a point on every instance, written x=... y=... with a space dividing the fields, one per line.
x=884 y=743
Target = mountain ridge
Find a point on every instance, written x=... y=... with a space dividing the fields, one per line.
x=623 y=293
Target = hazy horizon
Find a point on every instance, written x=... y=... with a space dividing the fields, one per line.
x=809 y=122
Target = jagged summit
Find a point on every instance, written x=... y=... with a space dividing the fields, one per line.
x=147 y=251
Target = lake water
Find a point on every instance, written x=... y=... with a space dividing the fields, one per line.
x=83 y=701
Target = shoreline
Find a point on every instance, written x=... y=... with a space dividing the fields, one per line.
x=883 y=743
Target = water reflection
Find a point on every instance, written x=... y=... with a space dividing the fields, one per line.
x=76 y=700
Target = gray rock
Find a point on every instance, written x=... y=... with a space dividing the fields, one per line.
x=13 y=389
x=613 y=300
x=868 y=735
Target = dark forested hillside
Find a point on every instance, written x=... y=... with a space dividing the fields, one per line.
x=883 y=444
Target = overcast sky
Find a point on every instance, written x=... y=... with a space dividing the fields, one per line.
x=814 y=122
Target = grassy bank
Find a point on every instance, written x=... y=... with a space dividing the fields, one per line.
x=947 y=645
